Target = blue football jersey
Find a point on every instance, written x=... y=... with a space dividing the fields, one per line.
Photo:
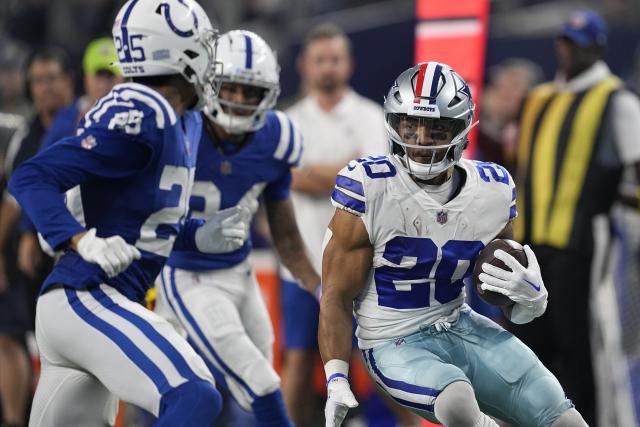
x=228 y=175
x=133 y=160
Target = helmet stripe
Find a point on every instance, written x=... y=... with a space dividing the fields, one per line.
x=437 y=72
x=249 y=50
x=420 y=81
x=125 y=33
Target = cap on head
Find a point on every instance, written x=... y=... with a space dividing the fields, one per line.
x=585 y=28
x=99 y=55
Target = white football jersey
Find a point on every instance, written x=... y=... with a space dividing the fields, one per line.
x=423 y=250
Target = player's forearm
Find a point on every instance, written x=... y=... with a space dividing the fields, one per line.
x=336 y=328
x=292 y=253
x=289 y=243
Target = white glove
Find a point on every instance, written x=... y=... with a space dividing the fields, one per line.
x=339 y=400
x=113 y=254
x=225 y=232
x=523 y=285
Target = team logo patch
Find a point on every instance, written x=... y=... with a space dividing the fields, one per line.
x=88 y=143
x=442 y=217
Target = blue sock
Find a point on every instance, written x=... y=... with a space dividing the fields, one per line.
x=270 y=411
x=195 y=403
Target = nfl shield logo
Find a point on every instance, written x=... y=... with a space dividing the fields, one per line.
x=441 y=217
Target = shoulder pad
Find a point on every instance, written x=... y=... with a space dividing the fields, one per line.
x=131 y=108
x=492 y=173
x=288 y=137
x=348 y=193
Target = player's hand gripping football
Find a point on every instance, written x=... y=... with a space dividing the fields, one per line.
x=339 y=400
x=113 y=254
x=522 y=285
x=224 y=232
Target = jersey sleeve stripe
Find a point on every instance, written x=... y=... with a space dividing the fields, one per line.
x=294 y=157
x=112 y=103
x=513 y=212
x=292 y=139
x=283 y=144
x=98 y=106
x=347 y=201
x=349 y=184
x=160 y=111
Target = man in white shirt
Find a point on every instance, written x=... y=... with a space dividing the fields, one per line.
x=337 y=125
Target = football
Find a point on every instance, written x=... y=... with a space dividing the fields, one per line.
x=511 y=247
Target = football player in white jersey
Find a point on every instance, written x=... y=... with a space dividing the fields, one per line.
x=246 y=151
x=405 y=235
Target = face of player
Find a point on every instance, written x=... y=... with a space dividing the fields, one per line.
x=237 y=95
x=327 y=64
x=423 y=132
x=100 y=83
x=51 y=88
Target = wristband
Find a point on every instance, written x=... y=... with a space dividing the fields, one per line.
x=336 y=368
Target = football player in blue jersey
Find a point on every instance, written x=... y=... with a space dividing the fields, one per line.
x=132 y=167
x=247 y=151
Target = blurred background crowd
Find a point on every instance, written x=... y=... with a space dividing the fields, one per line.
x=54 y=64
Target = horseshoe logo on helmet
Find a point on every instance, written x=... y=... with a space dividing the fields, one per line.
x=166 y=12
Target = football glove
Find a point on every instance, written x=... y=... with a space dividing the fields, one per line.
x=523 y=285
x=225 y=232
x=340 y=399
x=113 y=254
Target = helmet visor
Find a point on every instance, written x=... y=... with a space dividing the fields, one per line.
x=238 y=99
x=425 y=140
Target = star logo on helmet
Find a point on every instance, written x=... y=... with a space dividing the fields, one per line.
x=465 y=89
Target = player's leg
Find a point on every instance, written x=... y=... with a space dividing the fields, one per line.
x=209 y=311
x=257 y=323
x=300 y=312
x=456 y=405
x=133 y=352
x=69 y=397
x=509 y=381
x=421 y=380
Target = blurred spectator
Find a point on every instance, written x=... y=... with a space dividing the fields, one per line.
x=509 y=83
x=50 y=87
x=13 y=104
x=576 y=135
x=99 y=78
x=337 y=125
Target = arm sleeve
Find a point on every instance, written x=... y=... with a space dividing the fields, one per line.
x=279 y=189
x=186 y=239
x=625 y=117
x=39 y=183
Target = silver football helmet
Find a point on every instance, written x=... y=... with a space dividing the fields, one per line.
x=428 y=103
